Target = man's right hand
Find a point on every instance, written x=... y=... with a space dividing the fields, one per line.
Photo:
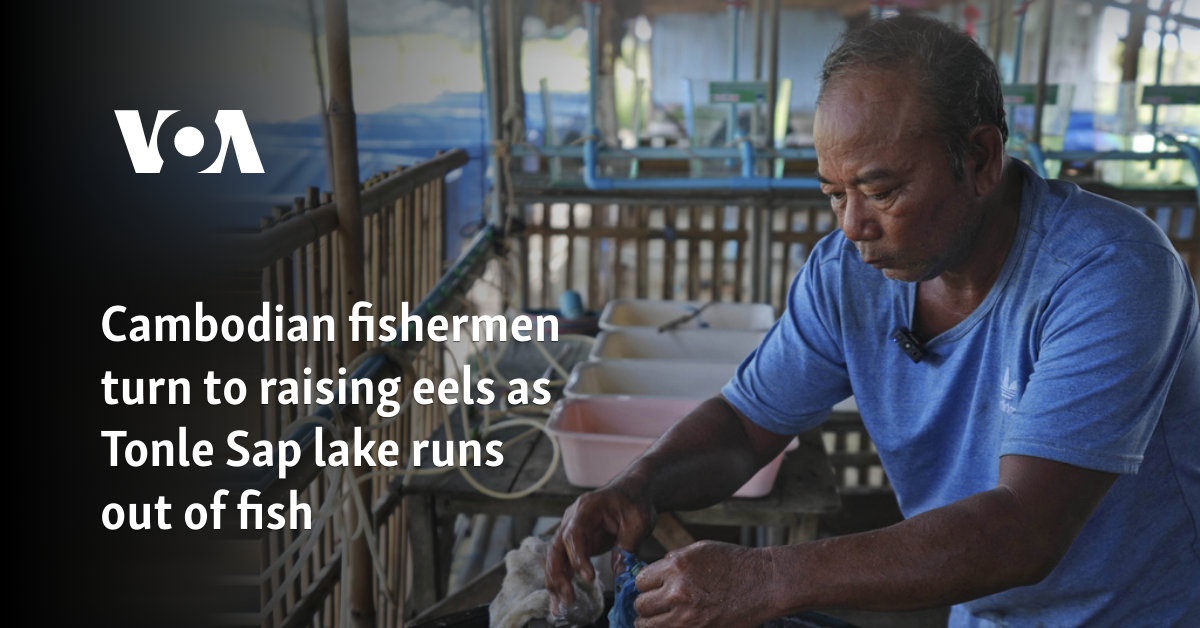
x=617 y=513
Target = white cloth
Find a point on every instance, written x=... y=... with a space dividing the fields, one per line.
x=523 y=596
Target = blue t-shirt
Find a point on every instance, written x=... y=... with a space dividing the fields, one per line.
x=1085 y=351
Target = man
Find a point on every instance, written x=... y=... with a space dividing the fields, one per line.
x=1045 y=448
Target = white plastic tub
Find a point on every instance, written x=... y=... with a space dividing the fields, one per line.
x=599 y=437
x=670 y=379
x=696 y=345
x=623 y=313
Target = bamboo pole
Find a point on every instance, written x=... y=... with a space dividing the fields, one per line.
x=350 y=242
x=618 y=244
x=269 y=547
x=1133 y=41
x=312 y=283
x=523 y=253
x=999 y=13
x=669 y=240
x=492 y=53
x=772 y=68
x=316 y=53
x=328 y=288
x=438 y=238
x=739 y=260
x=569 y=275
x=1043 y=65
x=595 y=245
x=693 y=255
x=756 y=16
x=718 y=254
x=408 y=270
x=545 y=241
x=641 y=266
x=394 y=252
x=514 y=110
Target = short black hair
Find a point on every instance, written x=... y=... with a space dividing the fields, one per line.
x=956 y=77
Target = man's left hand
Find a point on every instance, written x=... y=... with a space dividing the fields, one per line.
x=706 y=584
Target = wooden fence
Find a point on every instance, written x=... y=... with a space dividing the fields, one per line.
x=727 y=247
x=669 y=246
x=300 y=572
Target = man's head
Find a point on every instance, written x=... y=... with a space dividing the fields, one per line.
x=959 y=83
x=912 y=189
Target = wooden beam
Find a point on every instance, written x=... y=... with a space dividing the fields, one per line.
x=670 y=533
x=1133 y=42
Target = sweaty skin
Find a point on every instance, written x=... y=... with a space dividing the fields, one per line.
x=893 y=190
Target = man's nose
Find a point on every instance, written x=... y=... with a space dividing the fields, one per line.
x=858 y=221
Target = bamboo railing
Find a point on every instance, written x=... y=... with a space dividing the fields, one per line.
x=300 y=574
x=665 y=246
x=712 y=246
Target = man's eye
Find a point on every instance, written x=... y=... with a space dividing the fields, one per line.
x=882 y=196
x=836 y=196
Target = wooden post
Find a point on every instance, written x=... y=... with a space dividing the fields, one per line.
x=514 y=110
x=489 y=65
x=316 y=52
x=606 y=104
x=1043 y=64
x=772 y=69
x=756 y=16
x=350 y=245
x=999 y=14
x=1133 y=41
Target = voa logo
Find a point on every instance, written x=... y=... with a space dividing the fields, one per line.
x=189 y=141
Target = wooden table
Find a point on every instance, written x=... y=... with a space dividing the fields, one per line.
x=804 y=490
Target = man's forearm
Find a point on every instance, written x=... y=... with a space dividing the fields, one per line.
x=702 y=459
x=966 y=550
x=1008 y=536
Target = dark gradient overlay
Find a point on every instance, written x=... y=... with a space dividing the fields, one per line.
x=103 y=235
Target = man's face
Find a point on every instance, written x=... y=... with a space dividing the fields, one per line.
x=889 y=180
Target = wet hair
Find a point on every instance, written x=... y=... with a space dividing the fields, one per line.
x=955 y=76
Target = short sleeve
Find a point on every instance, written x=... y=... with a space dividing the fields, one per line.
x=1108 y=346
x=798 y=372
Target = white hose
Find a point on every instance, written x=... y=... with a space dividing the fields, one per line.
x=531 y=488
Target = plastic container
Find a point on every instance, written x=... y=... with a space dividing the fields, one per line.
x=657 y=379
x=670 y=379
x=599 y=437
x=586 y=325
x=696 y=345
x=624 y=313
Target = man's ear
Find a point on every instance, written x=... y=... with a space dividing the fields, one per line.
x=985 y=146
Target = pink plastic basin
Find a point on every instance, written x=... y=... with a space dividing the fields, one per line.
x=641 y=379
x=600 y=436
